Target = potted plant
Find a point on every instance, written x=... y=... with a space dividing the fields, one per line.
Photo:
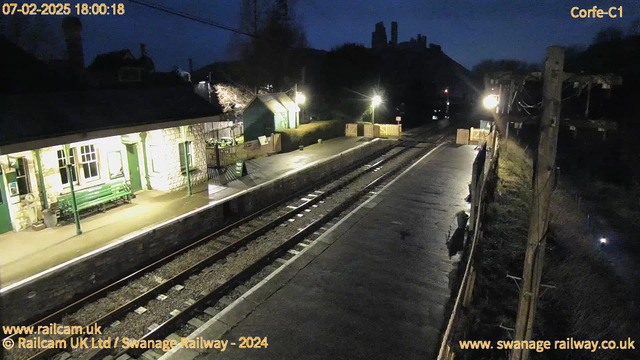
x=462 y=218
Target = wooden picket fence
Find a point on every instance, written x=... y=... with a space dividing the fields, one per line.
x=390 y=130
x=248 y=150
x=478 y=136
x=351 y=130
x=382 y=130
x=484 y=169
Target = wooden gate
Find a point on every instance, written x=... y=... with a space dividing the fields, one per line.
x=351 y=130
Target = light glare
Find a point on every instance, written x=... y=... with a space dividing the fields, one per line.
x=490 y=101
x=300 y=98
x=377 y=100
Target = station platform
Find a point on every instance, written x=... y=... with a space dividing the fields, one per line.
x=373 y=286
x=29 y=252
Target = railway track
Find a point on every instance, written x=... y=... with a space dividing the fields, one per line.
x=185 y=288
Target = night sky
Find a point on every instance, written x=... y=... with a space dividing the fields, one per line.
x=468 y=30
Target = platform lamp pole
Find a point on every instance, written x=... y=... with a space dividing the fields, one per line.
x=373 y=115
x=295 y=96
x=186 y=157
x=375 y=101
x=74 y=203
x=43 y=191
x=143 y=139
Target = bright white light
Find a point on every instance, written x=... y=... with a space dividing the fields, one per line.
x=377 y=100
x=603 y=240
x=300 y=98
x=490 y=101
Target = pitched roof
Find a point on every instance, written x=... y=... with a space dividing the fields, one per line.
x=22 y=72
x=276 y=102
x=29 y=117
x=115 y=60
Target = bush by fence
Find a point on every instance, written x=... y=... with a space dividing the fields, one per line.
x=308 y=134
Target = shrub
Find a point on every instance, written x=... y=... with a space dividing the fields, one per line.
x=308 y=134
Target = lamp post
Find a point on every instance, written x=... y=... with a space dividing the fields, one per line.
x=185 y=146
x=300 y=100
x=74 y=202
x=375 y=101
x=446 y=112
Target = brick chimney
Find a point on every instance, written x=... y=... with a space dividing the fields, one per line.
x=143 y=50
x=191 y=66
x=72 y=28
x=394 y=33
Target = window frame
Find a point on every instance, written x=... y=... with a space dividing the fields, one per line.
x=189 y=149
x=155 y=168
x=87 y=159
x=23 y=164
x=120 y=174
x=74 y=166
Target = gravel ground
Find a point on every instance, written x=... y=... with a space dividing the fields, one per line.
x=135 y=325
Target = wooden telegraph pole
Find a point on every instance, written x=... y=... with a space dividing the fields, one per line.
x=542 y=185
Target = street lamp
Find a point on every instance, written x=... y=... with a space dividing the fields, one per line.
x=375 y=101
x=490 y=102
x=300 y=98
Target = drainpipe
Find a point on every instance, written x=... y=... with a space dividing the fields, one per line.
x=186 y=157
x=76 y=217
x=43 y=191
x=143 y=139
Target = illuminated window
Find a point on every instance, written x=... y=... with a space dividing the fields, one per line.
x=181 y=147
x=89 y=159
x=114 y=161
x=154 y=155
x=62 y=165
x=22 y=176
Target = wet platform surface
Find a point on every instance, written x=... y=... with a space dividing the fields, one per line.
x=373 y=287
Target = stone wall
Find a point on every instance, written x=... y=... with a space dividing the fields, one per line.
x=172 y=138
x=18 y=210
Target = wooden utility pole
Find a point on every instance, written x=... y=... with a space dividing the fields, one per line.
x=542 y=184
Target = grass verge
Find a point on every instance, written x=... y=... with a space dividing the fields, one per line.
x=590 y=301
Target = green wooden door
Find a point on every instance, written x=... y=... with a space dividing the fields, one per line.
x=134 y=167
x=5 y=217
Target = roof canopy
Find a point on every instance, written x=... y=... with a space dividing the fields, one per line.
x=29 y=117
x=276 y=102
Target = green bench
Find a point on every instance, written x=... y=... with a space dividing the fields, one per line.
x=94 y=196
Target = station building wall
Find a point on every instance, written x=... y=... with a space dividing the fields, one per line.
x=105 y=160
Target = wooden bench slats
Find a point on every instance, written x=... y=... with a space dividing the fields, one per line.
x=94 y=196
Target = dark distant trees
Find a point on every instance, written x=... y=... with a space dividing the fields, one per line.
x=266 y=57
x=352 y=73
x=37 y=35
x=608 y=34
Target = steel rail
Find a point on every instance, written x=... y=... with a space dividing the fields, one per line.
x=178 y=320
x=221 y=254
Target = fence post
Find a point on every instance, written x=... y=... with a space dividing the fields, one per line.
x=468 y=292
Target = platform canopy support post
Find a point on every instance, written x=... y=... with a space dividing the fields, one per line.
x=74 y=203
